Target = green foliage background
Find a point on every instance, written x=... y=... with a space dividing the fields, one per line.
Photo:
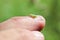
x=50 y=9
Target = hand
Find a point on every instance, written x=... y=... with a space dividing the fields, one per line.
x=22 y=28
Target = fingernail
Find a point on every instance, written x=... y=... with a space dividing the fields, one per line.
x=38 y=35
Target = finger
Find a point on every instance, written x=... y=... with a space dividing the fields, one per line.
x=18 y=34
x=25 y=22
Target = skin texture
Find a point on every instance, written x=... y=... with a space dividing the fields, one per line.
x=20 y=34
x=22 y=28
x=25 y=22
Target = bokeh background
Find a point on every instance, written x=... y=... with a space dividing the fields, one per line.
x=50 y=9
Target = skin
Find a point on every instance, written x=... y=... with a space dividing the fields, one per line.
x=25 y=22
x=22 y=28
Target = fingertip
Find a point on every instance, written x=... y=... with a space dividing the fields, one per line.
x=38 y=35
x=40 y=21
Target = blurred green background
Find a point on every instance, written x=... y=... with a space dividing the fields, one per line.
x=50 y=9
